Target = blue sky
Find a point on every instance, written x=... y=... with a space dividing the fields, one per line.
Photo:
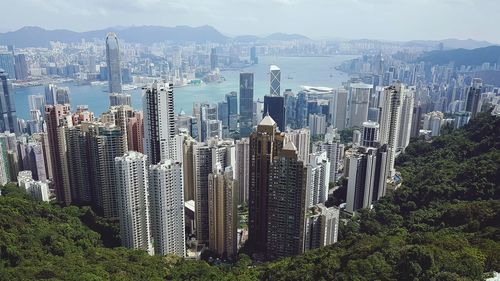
x=319 y=19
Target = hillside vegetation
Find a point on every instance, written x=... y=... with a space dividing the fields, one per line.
x=442 y=224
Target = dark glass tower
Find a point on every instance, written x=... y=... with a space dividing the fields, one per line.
x=246 y=103
x=275 y=106
x=8 y=117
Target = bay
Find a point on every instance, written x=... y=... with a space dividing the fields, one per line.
x=295 y=72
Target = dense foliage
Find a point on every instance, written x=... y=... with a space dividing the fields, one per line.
x=442 y=224
x=476 y=56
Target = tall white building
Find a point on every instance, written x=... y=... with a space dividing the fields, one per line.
x=408 y=100
x=335 y=153
x=339 y=119
x=359 y=103
x=159 y=123
x=322 y=225
x=433 y=122
x=318 y=178
x=275 y=80
x=317 y=124
x=370 y=134
x=242 y=148
x=301 y=138
x=133 y=201
x=166 y=193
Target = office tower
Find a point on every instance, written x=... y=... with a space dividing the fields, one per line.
x=34 y=153
x=318 y=178
x=258 y=112
x=57 y=119
x=119 y=99
x=373 y=114
x=390 y=118
x=232 y=111
x=286 y=204
x=214 y=59
x=275 y=80
x=366 y=182
x=4 y=163
x=135 y=132
x=205 y=157
x=359 y=101
x=62 y=95
x=275 y=107
x=241 y=169
x=38 y=190
x=370 y=134
x=133 y=209
x=113 y=63
x=253 y=55
x=223 y=115
x=405 y=124
x=301 y=110
x=36 y=102
x=246 y=103
x=317 y=124
x=7 y=64
x=301 y=138
x=166 y=198
x=56 y=95
x=222 y=212
x=265 y=144
x=322 y=225
x=473 y=104
x=8 y=117
x=340 y=115
x=159 y=124
x=21 y=67
x=290 y=109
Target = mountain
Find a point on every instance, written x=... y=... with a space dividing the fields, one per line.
x=443 y=224
x=38 y=37
x=286 y=37
x=477 y=56
x=451 y=43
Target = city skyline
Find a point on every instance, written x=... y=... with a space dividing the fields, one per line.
x=257 y=16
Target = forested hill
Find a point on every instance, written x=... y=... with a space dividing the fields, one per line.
x=442 y=224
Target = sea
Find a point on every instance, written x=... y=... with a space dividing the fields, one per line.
x=295 y=72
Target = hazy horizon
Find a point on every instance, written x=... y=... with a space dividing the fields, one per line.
x=388 y=20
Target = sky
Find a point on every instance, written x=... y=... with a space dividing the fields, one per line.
x=396 y=20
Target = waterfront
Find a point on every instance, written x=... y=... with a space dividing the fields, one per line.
x=295 y=72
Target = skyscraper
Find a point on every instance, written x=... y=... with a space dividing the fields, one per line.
x=241 y=169
x=359 y=103
x=8 y=117
x=340 y=115
x=301 y=110
x=166 y=198
x=159 y=123
x=58 y=118
x=119 y=99
x=21 y=67
x=275 y=81
x=232 y=111
x=318 y=178
x=135 y=132
x=290 y=109
x=132 y=185
x=265 y=144
x=317 y=124
x=286 y=204
x=301 y=138
x=56 y=95
x=274 y=105
x=113 y=63
x=7 y=64
x=370 y=134
x=322 y=226
x=246 y=103
x=406 y=118
x=473 y=97
x=206 y=156
x=253 y=55
x=222 y=212
x=214 y=59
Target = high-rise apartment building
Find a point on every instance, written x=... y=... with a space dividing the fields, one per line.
x=340 y=113
x=246 y=103
x=132 y=185
x=166 y=198
x=116 y=99
x=232 y=111
x=222 y=212
x=370 y=134
x=113 y=63
x=473 y=104
x=265 y=144
x=286 y=203
x=407 y=105
x=241 y=169
x=301 y=138
x=135 y=132
x=159 y=123
x=317 y=124
x=322 y=226
x=8 y=116
x=318 y=178
x=57 y=119
x=359 y=103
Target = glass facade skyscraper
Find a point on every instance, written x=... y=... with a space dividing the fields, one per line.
x=8 y=117
x=246 y=103
x=113 y=61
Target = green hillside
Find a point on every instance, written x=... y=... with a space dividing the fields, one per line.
x=442 y=224
x=460 y=57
